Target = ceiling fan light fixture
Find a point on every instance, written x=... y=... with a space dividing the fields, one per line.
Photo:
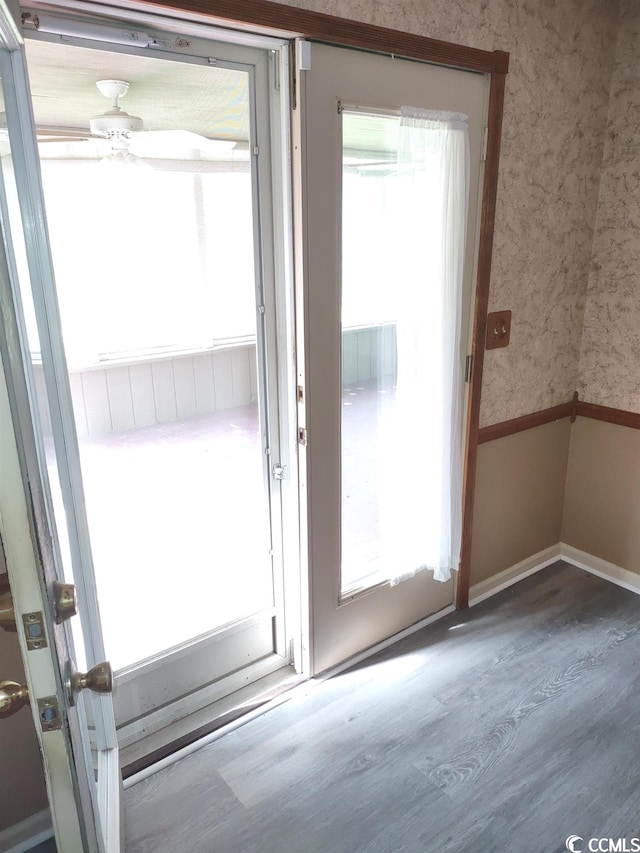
x=113 y=89
x=115 y=123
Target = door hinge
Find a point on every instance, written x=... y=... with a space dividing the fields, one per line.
x=485 y=143
x=468 y=368
x=276 y=70
x=278 y=471
x=293 y=87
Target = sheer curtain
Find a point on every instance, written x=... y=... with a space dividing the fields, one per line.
x=421 y=495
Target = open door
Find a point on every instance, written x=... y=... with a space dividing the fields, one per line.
x=57 y=622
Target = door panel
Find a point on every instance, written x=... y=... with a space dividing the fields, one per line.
x=77 y=733
x=351 y=337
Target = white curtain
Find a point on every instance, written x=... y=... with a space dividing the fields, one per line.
x=421 y=497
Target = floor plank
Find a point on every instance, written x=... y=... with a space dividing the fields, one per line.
x=506 y=727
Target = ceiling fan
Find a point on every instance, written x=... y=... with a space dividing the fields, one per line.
x=119 y=135
x=126 y=133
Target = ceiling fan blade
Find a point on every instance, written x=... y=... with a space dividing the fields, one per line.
x=73 y=148
x=178 y=144
x=44 y=132
x=54 y=139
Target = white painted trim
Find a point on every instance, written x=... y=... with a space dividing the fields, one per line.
x=299 y=691
x=601 y=568
x=24 y=835
x=529 y=566
x=581 y=559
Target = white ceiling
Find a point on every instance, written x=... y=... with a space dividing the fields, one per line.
x=167 y=95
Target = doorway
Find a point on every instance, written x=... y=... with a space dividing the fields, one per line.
x=159 y=365
x=163 y=358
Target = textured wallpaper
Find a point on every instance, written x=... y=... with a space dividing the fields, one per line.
x=610 y=357
x=555 y=116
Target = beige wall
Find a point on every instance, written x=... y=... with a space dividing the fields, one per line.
x=22 y=790
x=602 y=499
x=554 y=122
x=519 y=497
x=610 y=356
x=573 y=483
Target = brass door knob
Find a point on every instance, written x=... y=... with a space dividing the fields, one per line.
x=99 y=679
x=7 y=614
x=13 y=696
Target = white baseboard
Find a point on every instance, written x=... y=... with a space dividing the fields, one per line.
x=601 y=568
x=581 y=559
x=496 y=583
x=24 y=835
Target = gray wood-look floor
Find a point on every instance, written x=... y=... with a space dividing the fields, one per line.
x=507 y=727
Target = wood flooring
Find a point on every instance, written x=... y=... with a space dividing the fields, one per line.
x=507 y=727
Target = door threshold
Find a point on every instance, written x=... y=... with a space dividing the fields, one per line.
x=277 y=688
x=142 y=756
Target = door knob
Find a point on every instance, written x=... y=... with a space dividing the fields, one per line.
x=7 y=614
x=99 y=679
x=12 y=697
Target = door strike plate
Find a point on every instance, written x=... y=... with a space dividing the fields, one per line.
x=49 y=713
x=34 y=631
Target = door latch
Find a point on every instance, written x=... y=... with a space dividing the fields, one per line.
x=65 y=601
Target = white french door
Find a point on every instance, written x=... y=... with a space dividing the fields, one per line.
x=152 y=345
x=353 y=300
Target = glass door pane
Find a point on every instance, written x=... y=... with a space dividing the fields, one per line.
x=370 y=307
x=152 y=243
